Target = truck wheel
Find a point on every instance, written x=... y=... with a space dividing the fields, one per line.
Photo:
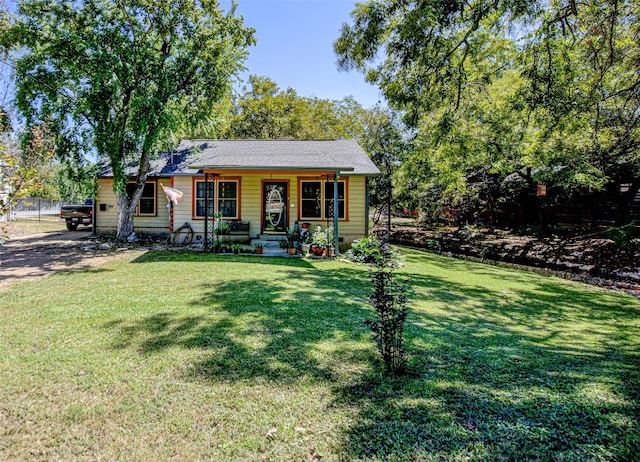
x=72 y=226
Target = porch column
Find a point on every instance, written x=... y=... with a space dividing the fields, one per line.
x=209 y=185
x=336 y=212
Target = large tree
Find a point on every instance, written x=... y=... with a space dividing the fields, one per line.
x=116 y=77
x=583 y=90
x=264 y=111
x=545 y=90
x=383 y=137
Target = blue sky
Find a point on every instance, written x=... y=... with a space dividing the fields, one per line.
x=294 y=48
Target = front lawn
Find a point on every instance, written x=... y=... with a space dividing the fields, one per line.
x=201 y=357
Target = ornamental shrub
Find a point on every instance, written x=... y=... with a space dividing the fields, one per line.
x=371 y=250
x=625 y=237
x=390 y=304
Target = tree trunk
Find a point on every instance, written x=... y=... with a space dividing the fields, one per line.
x=127 y=205
x=126 y=210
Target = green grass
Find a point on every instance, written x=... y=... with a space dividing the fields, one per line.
x=198 y=357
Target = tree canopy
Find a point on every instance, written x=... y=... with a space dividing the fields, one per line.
x=264 y=111
x=546 y=91
x=117 y=77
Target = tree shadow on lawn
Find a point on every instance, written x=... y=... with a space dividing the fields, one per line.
x=203 y=257
x=44 y=254
x=551 y=373
x=491 y=378
x=263 y=328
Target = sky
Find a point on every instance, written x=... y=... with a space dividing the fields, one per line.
x=295 y=47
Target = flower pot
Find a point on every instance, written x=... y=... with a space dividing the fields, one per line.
x=318 y=251
x=259 y=250
x=291 y=250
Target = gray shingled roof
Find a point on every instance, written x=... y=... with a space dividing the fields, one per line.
x=343 y=155
x=192 y=156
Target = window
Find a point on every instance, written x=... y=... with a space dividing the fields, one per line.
x=201 y=196
x=316 y=200
x=310 y=199
x=226 y=198
x=147 y=203
x=328 y=199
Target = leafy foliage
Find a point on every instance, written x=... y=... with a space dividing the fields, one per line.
x=21 y=168
x=113 y=78
x=370 y=250
x=265 y=111
x=627 y=238
x=544 y=91
x=389 y=301
x=322 y=237
x=76 y=182
x=384 y=139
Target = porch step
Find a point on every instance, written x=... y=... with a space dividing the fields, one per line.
x=267 y=244
x=274 y=252
x=272 y=237
x=270 y=247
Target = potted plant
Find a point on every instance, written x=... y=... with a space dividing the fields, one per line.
x=305 y=248
x=289 y=243
x=236 y=248
x=284 y=244
x=321 y=240
x=259 y=248
x=217 y=245
x=222 y=228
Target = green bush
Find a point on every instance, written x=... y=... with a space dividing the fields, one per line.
x=389 y=301
x=371 y=251
x=625 y=237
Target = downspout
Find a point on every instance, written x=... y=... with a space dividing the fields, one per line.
x=171 y=205
x=336 y=213
x=94 y=218
x=367 y=194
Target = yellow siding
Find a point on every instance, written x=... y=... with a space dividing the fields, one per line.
x=182 y=212
x=251 y=202
x=107 y=219
x=250 y=206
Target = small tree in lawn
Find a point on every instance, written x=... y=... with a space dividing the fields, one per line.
x=21 y=168
x=390 y=304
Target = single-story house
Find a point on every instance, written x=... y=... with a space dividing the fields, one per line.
x=257 y=186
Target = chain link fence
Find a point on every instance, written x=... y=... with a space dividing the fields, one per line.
x=34 y=209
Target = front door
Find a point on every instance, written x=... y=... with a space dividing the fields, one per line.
x=274 y=195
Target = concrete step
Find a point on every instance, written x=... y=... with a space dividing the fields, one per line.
x=270 y=248
x=272 y=237
x=274 y=252
x=266 y=243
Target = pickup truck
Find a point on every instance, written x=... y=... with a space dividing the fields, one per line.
x=75 y=215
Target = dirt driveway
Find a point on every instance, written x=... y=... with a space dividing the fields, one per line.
x=28 y=257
